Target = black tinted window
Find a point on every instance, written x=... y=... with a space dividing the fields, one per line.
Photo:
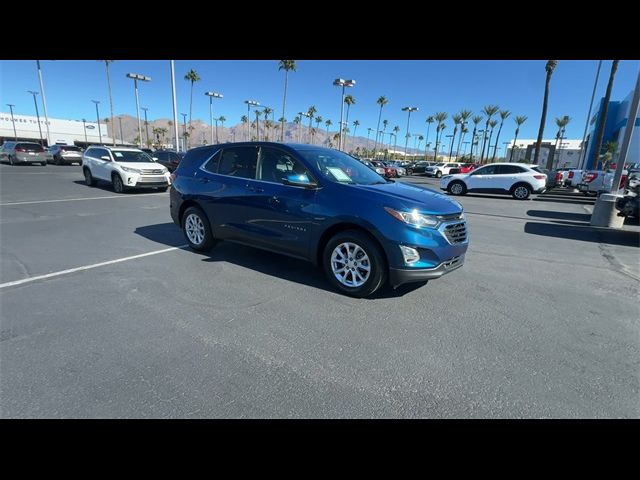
x=70 y=148
x=195 y=157
x=212 y=164
x=239 y=162
x=275 y=165
x=509 y=169
x=162 y=156
x=30 y=147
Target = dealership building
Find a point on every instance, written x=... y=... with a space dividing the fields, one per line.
x=567 y=154
x=66 y=132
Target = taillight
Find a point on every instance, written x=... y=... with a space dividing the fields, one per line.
x=173 y=177
x=590 y=177
x=558 y=176
x=540 y=177
x=571 y=174
x=18 y=149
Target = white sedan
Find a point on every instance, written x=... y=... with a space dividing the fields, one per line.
x=519 y=180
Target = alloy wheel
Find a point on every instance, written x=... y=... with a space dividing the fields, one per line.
x=350 y=264
x=194 y=229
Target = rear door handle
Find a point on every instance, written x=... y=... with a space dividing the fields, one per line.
x=203 y=180
x=255 y=189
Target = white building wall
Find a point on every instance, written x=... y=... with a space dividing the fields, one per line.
x=60 y=131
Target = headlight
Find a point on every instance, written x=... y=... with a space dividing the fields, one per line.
x=413 y=218
x=130 y=170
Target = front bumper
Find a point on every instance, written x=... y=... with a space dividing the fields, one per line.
x=136 y=180
x=400 y=276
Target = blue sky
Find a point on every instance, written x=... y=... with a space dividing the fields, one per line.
x=440 y=85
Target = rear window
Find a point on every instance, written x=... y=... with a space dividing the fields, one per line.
x=194 y=158
x=30 y=147
x=536 y=168
x=70 y=148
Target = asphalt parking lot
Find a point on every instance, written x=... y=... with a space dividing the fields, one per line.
x=541 y=322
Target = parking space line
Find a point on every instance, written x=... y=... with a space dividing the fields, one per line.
x=79 y=199
x=88 y=267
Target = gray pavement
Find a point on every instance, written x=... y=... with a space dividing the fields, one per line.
x=542 y=321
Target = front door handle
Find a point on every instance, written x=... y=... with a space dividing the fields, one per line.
x=255 y=189
x=203 y=180
x=274 y=200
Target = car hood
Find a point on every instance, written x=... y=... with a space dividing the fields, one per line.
x=407 y=196
x=456 y=176
x=142 y=165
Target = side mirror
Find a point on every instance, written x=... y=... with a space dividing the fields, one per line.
x=106 y=158
x=299 y=181
x=155 y=158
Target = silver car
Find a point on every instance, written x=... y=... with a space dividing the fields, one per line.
x=23 y=153
x=65 y=154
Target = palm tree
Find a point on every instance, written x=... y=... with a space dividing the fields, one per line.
x=561 y=123
x=519 y=121
x=475 y=120
x=193 y=77
x=603 y=115
x=382 y=101
x=296 y=121
x=492 y=124
x=439 y=117
x=282 y=122
x=429 y=121
x=368 y=135
x=318 y=121
x=457 y=120
x=286 y=65
x=113 y=125
x=385 y=123
x=311 y=112
x=549 y=67
x=244 y=119
x=328 y=124
x=258 y=113
x=489 y=111
x=420 y=138
x=356 y=124
x=221 y=119
x=464 y=117
x=504 y=114
x=609 y=151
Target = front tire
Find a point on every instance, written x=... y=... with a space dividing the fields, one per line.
x=438 y=174
x=197 y=230
x=521 y=191
x=457 y=188
x=116 y=181
x=88 y=178
x=354 y=264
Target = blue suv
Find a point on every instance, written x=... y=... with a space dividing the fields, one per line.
x=320 y=205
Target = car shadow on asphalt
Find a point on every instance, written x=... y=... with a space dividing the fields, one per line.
x=268 y=263
x=576 y=217
x=584 y=233
x=572 y=200
x=106 y=187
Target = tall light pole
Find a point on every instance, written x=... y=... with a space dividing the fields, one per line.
x=464 y=148
x=211 y=96
x=175 y=109
x=142 y=78
x=44 y=103
x=84 y=127
x=121 y=135
x=505 y=149
x=583 y=147
x=250 y=103
x=340 y=82
x=98 y=117
x=15 y=134
x=406 y=141
x=37 y=114
x=626 y=137
x=184 y=131
x=146 y=123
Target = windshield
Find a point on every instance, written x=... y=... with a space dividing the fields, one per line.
x=131 y=156
x=339 y=167
x=439 y=164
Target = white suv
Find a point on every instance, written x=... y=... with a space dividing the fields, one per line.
x=124 y=167
x=440 y=169
x=517 y=179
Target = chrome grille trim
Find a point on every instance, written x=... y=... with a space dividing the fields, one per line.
x=454 y=233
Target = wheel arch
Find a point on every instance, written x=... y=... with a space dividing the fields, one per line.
x=341 y=226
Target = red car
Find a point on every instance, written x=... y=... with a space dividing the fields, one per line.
x=468 y=167
x=388 y=171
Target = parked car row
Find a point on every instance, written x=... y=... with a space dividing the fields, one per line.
x=24 y=153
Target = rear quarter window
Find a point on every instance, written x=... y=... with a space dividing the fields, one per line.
x=195 y=158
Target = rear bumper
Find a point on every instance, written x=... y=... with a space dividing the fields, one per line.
x=400 y=276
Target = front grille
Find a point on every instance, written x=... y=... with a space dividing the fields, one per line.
x=151 y=172
x=152 y=180
x=456 y=232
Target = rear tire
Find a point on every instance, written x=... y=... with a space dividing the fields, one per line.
x=368 y=254
x=197 y=230
x=521 y=191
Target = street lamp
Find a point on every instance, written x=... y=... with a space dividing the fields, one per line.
x=406 y=142
x=44 y=102
x=340 y=82
x=37 y=114
x=505 y=149
x=175 y=108
x=142 y=78
x=146 y=123
x=121 y=135
x=98 y=116
x=84 y=127
x=211 y=96
x=250 y=103
x=464 y=149
x=15 y=135
x=451 y=144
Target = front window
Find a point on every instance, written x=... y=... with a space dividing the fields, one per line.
x=439 y=164
x=339 y=167
x=131 y=156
